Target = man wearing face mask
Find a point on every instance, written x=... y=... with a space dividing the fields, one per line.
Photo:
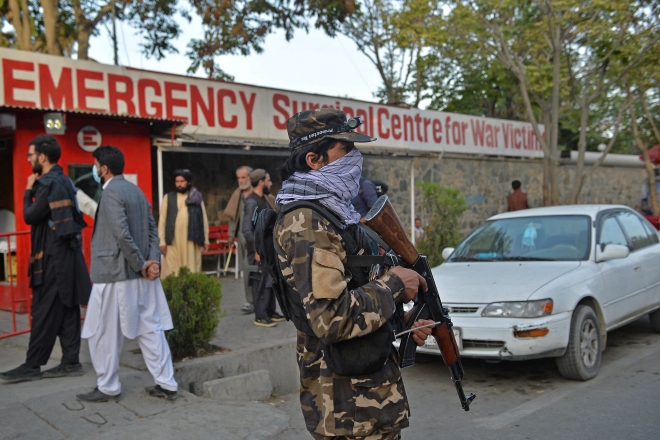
x=331 y=304
x=260 y=282
x=58 y=274
x=127 y=299
x=234 y=213
x=183 y=228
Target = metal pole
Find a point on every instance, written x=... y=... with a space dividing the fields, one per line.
x=159 y=165
x=412 y=201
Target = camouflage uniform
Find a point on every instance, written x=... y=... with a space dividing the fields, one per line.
x=375 y=405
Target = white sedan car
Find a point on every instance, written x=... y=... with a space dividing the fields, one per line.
x=550 y=282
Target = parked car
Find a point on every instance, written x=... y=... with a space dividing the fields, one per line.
x=550 y=282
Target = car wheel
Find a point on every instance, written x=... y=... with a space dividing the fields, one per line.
x=655 y=320
x=582 y=358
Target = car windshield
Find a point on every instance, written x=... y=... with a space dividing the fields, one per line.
x=551 y=238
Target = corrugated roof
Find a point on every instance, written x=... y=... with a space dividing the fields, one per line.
x=104 y=114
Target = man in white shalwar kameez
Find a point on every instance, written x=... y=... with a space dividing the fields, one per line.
x=127 y=299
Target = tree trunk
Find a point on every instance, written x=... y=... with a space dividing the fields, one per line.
x=650 y=169
x=21 y=24
x=554 y=115
x=546 y=167
x=578 y=179
x=50 y=23
x=83 y=44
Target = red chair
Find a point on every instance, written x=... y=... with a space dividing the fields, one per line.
x=220 y=246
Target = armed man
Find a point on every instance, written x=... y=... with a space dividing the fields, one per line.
x=338 y=309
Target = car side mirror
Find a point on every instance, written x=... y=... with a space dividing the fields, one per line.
x=611 y=252
x=446 y=252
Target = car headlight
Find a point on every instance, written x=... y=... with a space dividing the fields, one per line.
x=518 y=309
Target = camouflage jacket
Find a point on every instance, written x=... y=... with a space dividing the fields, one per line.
x=335 y=405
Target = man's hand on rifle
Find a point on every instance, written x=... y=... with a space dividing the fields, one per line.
x=412 y=280
x=420 y=335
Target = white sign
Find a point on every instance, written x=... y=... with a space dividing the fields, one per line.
x=230 y=110
x=89 y=138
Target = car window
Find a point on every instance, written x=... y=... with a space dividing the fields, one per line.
x=540 y=238
x=653 y=233
x=611 y=233
x=636 y=232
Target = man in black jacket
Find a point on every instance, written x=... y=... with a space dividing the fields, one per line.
x=58 y=275
x=260 y=282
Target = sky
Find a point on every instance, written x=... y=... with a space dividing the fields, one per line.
x=311 y=62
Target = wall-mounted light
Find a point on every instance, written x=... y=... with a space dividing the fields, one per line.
x=54 y=123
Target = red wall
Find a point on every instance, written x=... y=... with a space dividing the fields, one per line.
x=130 y=137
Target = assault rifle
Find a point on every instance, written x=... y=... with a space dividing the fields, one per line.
x=383 y=220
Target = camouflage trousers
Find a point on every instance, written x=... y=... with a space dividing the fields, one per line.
x=396 y=435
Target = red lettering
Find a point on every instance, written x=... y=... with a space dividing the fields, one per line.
x=277 y=98
x=408 y=124
x=348 y=111
x=385 y=134
x=55 y=96
x=89 y=138
x=427 y=122
x=85 y=92
x=312 y=106
x=396 y=127
x=197 y=102
x=456 y=132
x=464 y=128
x=506 y=129
x=370 y=121
x=143 y=84
x=114 y=95
x=516 y=138
x=171 y=101
x=11 y=83
x=233 y=121
x=418 y=119
x=363 y=114
x=448 y=128
x=478 y=132
x=249 y=107
x=437 y=129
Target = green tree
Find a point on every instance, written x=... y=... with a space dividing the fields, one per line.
x=442 y=208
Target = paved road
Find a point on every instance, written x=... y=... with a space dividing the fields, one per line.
x=530 y=400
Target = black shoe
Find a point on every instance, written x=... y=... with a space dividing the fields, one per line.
x=158 y=391
x=21 y=374
x=247 y=308
x=276 y=317
x=64 y=370
x=264 y=322
x=96 y=396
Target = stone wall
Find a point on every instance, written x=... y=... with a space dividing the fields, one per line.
x=484 y=181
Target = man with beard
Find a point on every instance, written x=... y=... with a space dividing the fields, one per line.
x=234 y=213
x=261 y=283
x=183 y=228
x=58 y=274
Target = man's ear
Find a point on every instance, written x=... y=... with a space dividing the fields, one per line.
x=314 y=161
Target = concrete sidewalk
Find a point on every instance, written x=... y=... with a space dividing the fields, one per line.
x=47 y=408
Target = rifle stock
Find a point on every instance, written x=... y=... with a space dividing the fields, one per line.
x=383 y=220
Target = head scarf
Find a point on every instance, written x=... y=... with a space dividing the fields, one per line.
x=333 y=186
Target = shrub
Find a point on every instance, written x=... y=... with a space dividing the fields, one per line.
x=194 y=301
x=444 y=206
